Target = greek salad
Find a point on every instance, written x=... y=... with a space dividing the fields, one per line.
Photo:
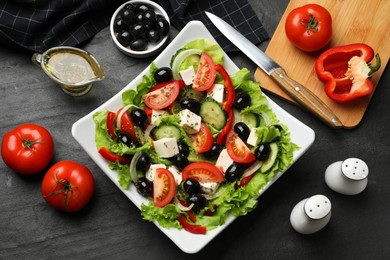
x=197 y=143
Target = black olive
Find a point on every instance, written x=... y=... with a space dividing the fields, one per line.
x=130 y=7
x=190 y=104
x=163 y=74
x=139 y=117
x=153 y=35
x=120 y=25
x=241 y=101
x=198 y=200
x=163 y=26
x=144 y=186
x=128 y=16
x=138 y=44
x=263 y=151
x=279 y=127
x=180 y=161
x=234 y=172
x=149 y=17
x=138 y=30
x=143 y=163
x=242 y=130
x=183 y=148
x=191 y=186
x=213 y=152
x=124 y=38
x=143 y=7
x=125 y=138
x=139 y=17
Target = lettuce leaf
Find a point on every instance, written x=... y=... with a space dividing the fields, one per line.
x=132 y=96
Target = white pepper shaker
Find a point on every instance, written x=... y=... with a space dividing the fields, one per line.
x=347 y=177
x=311 y=215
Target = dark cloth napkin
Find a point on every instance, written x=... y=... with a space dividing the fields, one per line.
x=237 y=13
x=37 y=25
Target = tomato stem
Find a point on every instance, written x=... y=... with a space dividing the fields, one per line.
x=67 y=188
x=311 y=24
x=27 y=143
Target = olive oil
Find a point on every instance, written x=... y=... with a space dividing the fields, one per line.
x=69 y=67
x=73 y=69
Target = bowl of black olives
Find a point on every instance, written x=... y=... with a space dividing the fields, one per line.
x=140 y=28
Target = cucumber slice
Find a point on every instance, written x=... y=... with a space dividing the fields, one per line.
x=189 y=92
x=252 y=120
x=163 y=131
x=271 y=159
x=212 y=113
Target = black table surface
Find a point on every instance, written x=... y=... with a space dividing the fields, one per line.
x=111 y=226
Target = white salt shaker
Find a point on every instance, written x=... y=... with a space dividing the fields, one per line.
x=347 y=177
x=311 y=215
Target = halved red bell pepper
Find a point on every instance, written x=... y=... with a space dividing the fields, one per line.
x=229 y=89
x=345 y=70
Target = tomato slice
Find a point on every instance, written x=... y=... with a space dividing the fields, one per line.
x=111 y=116
x=203 y=172
x=206 y=73
x=109 y=156
x=164 y=187
x=178 y=82
x=194 y=229
x=237 y=149
x=163 y=97
x=202 y=140
x=127 y=126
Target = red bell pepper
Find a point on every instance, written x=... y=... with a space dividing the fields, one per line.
x=345 y=70
x=229 y=89
x=109 y=156
x=221 y=139
x=195 y=229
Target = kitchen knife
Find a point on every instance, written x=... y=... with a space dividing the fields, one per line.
x=296 y=91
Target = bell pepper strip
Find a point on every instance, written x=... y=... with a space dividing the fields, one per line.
x=111 y=117
x=244 y=181
x=229 y=89
x=345 y=70
x=190 y=214
x=109 y=156
x=194 y=229
x=221 y=138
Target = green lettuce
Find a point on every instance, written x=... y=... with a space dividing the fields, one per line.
x=134 y=97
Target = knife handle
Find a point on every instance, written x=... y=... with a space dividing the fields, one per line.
x=305 y=98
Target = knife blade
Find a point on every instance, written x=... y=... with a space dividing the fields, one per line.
x=296 y=91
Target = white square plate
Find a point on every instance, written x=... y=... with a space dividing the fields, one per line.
x=84 y=128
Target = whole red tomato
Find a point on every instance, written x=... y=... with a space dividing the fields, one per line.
x=27 y=149
x=68 y=186
x=309 y=27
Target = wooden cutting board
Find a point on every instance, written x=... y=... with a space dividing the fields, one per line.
x=354 y=21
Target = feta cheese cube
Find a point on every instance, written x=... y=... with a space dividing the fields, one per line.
x=176 y=173
x=188 y=75
x=224 y=160
x=166 y=147
x=252 y=138
x=208 y=187
x=152 y=171
x=217 y=92
x=156 y=114
x=190 y=121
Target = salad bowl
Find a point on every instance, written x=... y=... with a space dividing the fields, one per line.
x=300 y=134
